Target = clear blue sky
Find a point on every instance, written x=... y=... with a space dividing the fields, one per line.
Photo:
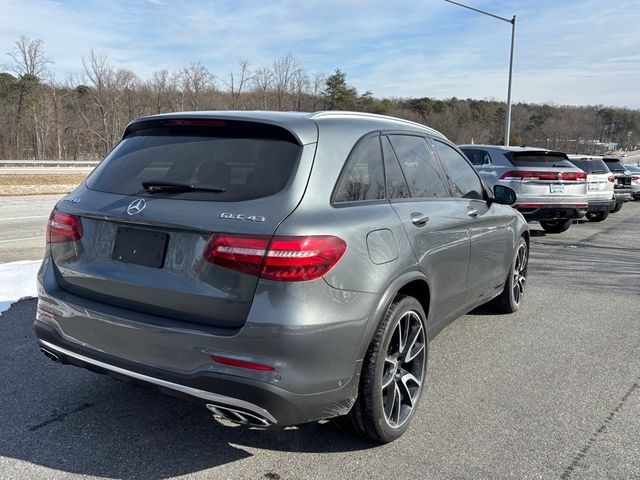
x=567 y=52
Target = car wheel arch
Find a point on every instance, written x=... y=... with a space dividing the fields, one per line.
x=413 y=283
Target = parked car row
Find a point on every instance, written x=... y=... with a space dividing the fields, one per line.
x=554 y=188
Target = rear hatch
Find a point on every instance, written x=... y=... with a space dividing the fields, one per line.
x=143 y=248
x=600 y=180
x=623 y=176
x=546 y=175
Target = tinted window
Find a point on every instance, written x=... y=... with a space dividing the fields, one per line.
x=464 y=179
x=615 y=166
x=246 y=168
x=539 y=159
x=419 y=166
x=363 y=177
x=396 y=183
x=477 y=157
x=590 y=166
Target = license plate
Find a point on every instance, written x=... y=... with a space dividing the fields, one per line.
x=594 y=186
x=140 y=247
x=556 y=188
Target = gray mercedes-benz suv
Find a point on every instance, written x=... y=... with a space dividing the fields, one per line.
x=280 y=268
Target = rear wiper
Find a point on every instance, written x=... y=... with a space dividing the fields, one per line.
x=171 y=187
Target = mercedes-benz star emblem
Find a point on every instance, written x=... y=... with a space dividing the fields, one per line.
x=136 y=206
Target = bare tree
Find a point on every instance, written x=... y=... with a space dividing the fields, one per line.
x=163 y=88
x=194 y=81
x=263 y=82
x=283 y=71
x=237 y=82
x=109 y=86
x=300 y=84
x=28 y=58
x=29 y=63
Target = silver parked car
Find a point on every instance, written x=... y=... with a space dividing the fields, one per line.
x=600 y=183
x=550 y=189
x=280 y=268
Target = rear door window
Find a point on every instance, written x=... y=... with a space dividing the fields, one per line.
x=463 y=178
x=363 y=176
x=247 y=163
x=419 y=166
x=396 y=183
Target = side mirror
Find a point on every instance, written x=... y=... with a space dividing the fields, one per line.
x=504 y=195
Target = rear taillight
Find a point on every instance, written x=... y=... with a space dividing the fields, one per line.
x=528 y=175
x=611 y=179
x=287 y=259
x=63 y=228
x=573 y=176
x=536 y=175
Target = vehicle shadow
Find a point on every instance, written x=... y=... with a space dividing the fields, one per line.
x=72 y=420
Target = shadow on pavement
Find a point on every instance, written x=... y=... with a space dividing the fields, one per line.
x=72 y=420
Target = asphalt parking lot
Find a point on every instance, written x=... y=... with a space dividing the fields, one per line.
x=550 y=392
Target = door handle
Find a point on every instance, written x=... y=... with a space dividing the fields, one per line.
x=472 y=212
x=419 y=219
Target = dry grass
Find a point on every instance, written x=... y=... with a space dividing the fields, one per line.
x=39 y=184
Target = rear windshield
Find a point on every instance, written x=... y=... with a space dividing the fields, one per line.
x=615 y=166
x=538 y=159
x=591 y=166
x=244 y=166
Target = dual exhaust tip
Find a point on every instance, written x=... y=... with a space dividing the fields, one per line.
x=238 y=416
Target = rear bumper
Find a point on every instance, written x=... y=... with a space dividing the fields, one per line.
x=532 y=212
x=601 y=205
x=275 y=406
x=315 y=357
x=622 y=195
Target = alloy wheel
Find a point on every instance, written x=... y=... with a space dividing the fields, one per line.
x=519 y=274
x=403 y=370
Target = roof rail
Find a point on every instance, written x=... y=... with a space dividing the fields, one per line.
x=374 y=116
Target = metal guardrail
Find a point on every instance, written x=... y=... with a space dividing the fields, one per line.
x=48 y=163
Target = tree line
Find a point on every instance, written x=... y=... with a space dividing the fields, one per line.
x=83 y=117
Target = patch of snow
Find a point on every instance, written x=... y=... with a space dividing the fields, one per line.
x=17 y=281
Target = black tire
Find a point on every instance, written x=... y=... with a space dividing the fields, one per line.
x=556 y=226
x=617 y=208
x=597 y=216
x=510 y=300
x=371 y=416
x=636 y=196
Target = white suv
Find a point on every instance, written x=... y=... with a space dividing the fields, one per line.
x=600 y=184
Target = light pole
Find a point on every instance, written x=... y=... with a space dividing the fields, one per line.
x=507 y=115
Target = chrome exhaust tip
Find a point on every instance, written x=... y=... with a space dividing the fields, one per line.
x=49 y=354
x=238 y=416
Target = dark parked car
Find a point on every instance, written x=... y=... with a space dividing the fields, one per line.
x=280 y=268
x=622 y=187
